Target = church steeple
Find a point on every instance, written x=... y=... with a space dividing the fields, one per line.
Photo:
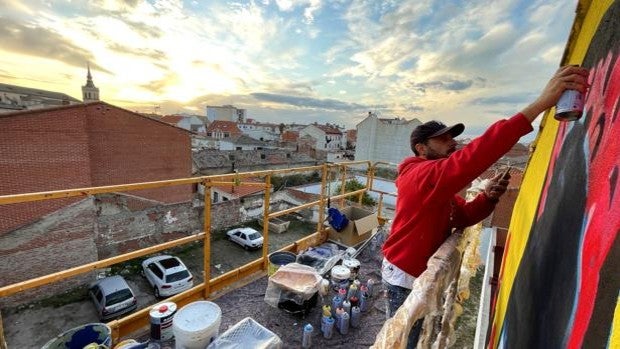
x=90 y=93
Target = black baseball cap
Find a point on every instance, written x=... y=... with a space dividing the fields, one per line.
x=431 y=129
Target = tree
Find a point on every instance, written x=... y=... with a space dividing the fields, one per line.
x=353 y=185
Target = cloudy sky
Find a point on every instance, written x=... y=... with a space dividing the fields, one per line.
x=470 y=61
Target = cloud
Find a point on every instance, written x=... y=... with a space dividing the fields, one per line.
x=449 y=85
x=308 y=102
x=40 y=42
x=157 y=55
x=505 y=99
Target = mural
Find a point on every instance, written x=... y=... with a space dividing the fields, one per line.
x=561 y=274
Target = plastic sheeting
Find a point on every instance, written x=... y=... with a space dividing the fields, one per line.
x=247 y=333
x=294 y=286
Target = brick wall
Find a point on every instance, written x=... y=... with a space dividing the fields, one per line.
x=127 y=148
x=122 y=231
x=84 y=146
x=52 y=244
x=41 y=151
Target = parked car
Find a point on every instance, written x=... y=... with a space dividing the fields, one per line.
x=167 y=275
x=248 y=238
x=112 y=297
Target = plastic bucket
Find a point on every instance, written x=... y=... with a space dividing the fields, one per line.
x=196 y=325
x=81 y=336
x=278 y=259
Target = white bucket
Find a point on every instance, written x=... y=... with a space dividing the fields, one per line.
x=196 y=325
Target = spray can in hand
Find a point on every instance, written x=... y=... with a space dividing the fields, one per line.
x=570 y=106
x=306 y=340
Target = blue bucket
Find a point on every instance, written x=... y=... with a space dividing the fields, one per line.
x=81 y=336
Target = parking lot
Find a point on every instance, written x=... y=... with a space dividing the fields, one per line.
x=34 y=326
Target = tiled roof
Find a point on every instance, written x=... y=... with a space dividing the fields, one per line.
x=290 y=136
x=242 y=190
x=224 y=126
x=328 y=129
x=36 y=92
x=172 y=119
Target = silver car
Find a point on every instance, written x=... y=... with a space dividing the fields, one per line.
x=167 y=275
x=246 y=237
x=112 y=297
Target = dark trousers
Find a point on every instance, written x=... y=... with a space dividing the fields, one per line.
x=396 y=297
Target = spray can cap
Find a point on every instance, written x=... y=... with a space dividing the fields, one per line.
x=308 y=328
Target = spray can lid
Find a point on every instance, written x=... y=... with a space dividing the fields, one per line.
x=308 y=328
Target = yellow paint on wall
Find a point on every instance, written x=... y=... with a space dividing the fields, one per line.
x=614 y=341
x=587 y=19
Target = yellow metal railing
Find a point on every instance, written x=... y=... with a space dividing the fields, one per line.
x=126 y=325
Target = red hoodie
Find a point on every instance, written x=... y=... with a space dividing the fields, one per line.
x=428 y=207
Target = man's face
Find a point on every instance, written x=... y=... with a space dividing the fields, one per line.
x=438 y=147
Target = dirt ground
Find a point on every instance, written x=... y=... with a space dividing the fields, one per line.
x=34 y=326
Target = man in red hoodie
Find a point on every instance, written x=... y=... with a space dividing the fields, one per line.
x=428 y=207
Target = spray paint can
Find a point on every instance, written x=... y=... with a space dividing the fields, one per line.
x=356 y=316
x=161 y=321
x=324 y=287
x=336 y=303
x=354 y=301
x=346 y=305
x=327 y=310
x=327 y=327
x=371 y=287
x=338 y=316
x=570 y=106
x=344 y=323
x=352 y=291
x=306 y=340
x=363 y=302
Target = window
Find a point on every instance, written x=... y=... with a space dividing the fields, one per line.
x=216 y=197
x=155 y=269
x=288 y=155
x=209 y=134
x=262 y=156
x=226 y=134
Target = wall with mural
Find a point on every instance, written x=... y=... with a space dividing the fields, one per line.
x=560 y=276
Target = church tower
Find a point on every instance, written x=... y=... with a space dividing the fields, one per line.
x=90 y=93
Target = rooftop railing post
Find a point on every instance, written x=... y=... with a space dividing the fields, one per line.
x=343 y=185
x=319 y=226
x=207 y=239
x=266 y=222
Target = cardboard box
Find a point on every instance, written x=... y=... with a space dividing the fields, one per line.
x=361 y=224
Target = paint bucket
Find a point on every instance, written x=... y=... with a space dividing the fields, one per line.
x=161 y=321
x=340 y=277
x=278 y=259
x=353 y=265
x=81 y=336
x=196 y=325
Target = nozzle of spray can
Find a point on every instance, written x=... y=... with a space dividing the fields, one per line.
x=306 y=340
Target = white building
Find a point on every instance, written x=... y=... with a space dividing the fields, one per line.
x=188 y=122
x=203 y=142
x=225 y=113
x=327 y=137
x=384 y=139
x=242 y=142
x=260 y=131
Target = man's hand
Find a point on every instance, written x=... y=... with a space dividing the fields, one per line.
x=497 y=186
x=568 y=77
